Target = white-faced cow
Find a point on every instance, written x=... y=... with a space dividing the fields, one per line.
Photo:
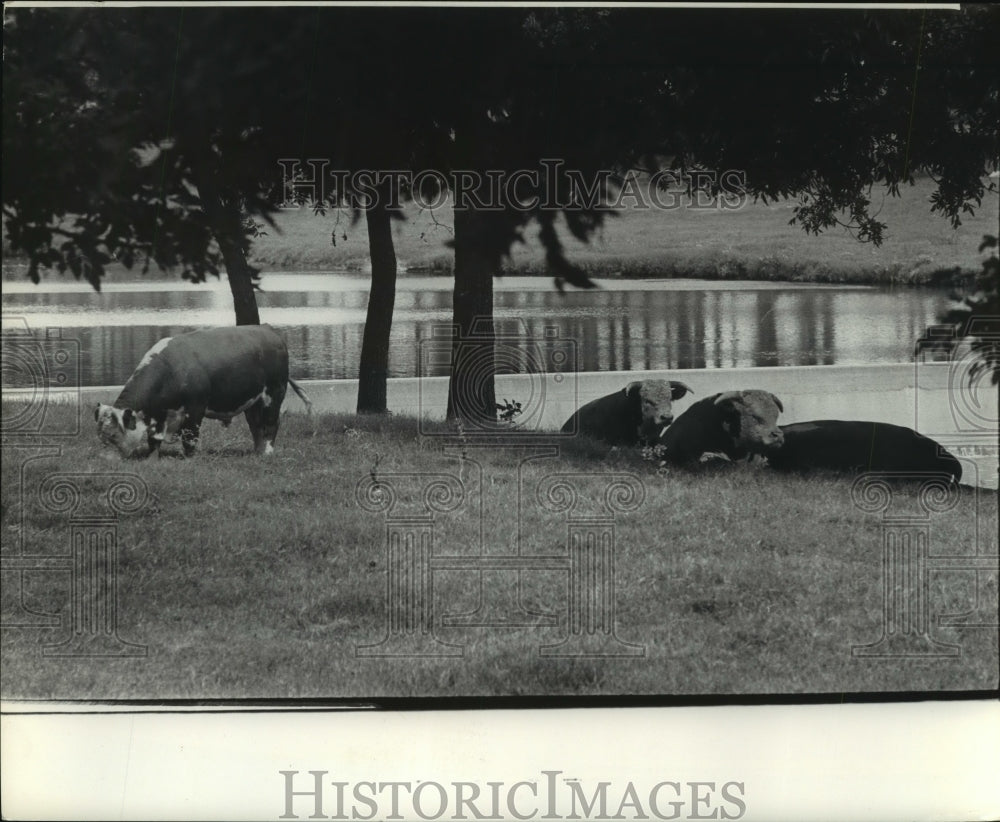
x=216 y=373
x=856 y=445
x=735 y=423
x=636 y=414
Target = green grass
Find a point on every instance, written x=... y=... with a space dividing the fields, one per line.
x=754 y=242
x=252 y=577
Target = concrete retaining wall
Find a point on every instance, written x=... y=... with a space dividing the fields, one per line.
x=933 y=398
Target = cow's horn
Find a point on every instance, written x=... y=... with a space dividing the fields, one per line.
x=728 y=396
x=679 y=389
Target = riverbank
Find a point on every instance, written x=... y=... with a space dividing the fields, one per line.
x=755 y=242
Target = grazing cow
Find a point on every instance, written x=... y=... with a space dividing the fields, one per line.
x=216 y=373
x=735 y=423
x=856 y=445
x=637 y=413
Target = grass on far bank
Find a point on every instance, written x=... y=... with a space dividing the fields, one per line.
x=754 y=242
x=253 y=577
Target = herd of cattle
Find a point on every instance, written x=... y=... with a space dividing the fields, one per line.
x=222 y=372
x=737 y=425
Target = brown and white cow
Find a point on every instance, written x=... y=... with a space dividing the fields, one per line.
x=734 y=423
x=216 y=373
x=636 y=414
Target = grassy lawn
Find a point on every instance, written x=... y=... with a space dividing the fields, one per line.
x=753 y=242
x=250 y=577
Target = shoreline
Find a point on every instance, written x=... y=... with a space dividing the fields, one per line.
x=736 y=273
x=350 y=281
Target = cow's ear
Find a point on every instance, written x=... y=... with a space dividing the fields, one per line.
x=128 y=419
x=727 y=403
x=777 y=402
x=678 y=390
x=633 y=388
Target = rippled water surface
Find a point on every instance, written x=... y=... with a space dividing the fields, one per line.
x=630 y=326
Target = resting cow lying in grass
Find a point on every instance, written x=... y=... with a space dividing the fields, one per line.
x=636 y=414
x=735 y=423
x=857 y=445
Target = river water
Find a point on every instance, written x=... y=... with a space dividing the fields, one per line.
x=633 y=325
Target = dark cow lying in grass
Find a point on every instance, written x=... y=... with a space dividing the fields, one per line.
x=840 y=445
x=736 y=424
x=216 y=373
x=636 y=414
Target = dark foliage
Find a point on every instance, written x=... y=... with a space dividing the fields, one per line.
x=977 y=319
x=112 y=139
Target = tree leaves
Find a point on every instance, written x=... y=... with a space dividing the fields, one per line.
x=100 y=132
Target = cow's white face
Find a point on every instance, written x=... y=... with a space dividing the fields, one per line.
x=123 y=428
x=753 y=419
x=655 y=399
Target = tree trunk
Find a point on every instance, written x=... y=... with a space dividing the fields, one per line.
x=374 y=368
x=226 y=221
x=240 y=276
x=471 y=389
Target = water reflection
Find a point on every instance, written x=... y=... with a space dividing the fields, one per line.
x=612 y=330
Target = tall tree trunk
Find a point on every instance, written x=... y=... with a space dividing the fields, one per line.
x=374 y=368
x=227 y=226
x=471 y=389
x=240 y=275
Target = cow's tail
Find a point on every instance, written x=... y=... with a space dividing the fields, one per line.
x=302 y=395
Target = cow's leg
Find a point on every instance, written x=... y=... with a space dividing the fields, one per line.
x=154 y=445
x=190 y=431
x=156 y=434
x=255 y=419
x=263 y=418
x=271 y=415
x=190 y=434
x=270 y=429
